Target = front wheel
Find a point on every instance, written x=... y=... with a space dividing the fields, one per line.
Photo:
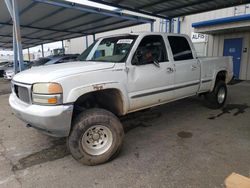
x=217 y=98
x=96 y=137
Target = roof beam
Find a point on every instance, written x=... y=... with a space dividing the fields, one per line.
x=167 y=15
x=180 y=7
x=154 y=3
x=95 y=10
x=29 y=38
x=96 y=27
x=128 y=8
x=95 y=21
x=116 y=28
x=242 y=2
x=41 y=28
x=47 y=16
x=62 y=22
x=22 y=11
x=11 y=42
x=91 y=22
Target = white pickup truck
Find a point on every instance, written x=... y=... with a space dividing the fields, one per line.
x=115 y=76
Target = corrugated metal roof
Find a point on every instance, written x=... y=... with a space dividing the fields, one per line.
x=44 y=21
x=172 y=8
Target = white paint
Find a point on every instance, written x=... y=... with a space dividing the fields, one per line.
x=125 y=41
x=78 y=78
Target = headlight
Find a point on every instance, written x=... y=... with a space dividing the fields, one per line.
x=47 y=93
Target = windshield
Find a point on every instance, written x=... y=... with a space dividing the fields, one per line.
x=114 y=49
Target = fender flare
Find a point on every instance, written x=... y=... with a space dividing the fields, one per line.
x=215 y=76
x=75 y=93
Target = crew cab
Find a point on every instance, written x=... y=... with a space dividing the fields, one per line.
x=115 y=76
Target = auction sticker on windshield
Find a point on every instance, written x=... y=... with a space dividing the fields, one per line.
x=125 y=41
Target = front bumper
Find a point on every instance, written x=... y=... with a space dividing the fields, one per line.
x=52 y=120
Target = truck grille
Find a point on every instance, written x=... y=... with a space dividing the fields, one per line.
x=22 y=93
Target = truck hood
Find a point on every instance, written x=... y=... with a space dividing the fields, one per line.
x=52 y=72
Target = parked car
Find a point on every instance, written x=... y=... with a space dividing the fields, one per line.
x=9 y=71
x=62 y=59
x=41 y=61
x=115 y=76
x=55 y=60
x=3 y=66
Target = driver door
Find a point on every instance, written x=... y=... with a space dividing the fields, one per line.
x=151 y=74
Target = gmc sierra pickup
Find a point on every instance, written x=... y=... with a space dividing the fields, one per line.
x=115 y=76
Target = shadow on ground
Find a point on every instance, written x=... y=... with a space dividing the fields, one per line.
x=228 y=109
x=143 y=118
x=59 y=149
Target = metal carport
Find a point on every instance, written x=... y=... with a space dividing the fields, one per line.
x=37 y=22
x=169 y=9
x=43 y=21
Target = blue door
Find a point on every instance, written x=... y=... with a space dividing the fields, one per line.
x=233 y=47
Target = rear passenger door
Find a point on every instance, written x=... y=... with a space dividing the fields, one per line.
x=187 y=67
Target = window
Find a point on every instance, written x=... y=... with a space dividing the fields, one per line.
x=180 y=48
x=152 y=48
x=114 y=49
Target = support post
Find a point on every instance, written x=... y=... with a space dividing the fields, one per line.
x=63 y=47
x=93 y=37
x=16 y=23
x=29 y=53
x=167 y=22
x=179 y=25
x=42 y=51
x=87 y=42
x=15 y=60
x=10 y=9
x=170 y=25
x=152 y=26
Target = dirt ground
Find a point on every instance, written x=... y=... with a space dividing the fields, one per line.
x=181 y=144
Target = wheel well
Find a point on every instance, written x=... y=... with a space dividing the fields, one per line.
x=221 y=76
x=109 y=99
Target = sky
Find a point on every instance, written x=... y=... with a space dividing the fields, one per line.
x=59 y=44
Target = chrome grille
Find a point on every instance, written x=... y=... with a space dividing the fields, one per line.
x=22 y=93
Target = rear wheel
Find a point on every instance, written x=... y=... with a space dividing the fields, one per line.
x=217 y=98
x=96 y=137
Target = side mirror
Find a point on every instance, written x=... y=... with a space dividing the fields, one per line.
x=156 y=63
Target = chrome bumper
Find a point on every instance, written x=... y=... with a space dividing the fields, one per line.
x=52 y=120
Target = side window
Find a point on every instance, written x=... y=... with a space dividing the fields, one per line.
x=151 y=48
x=180 y=48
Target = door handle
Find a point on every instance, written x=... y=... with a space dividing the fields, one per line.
x=193 y=67
x=170 y=70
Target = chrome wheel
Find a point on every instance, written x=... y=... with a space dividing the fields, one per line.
x=221 y=95
x=97 y=140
